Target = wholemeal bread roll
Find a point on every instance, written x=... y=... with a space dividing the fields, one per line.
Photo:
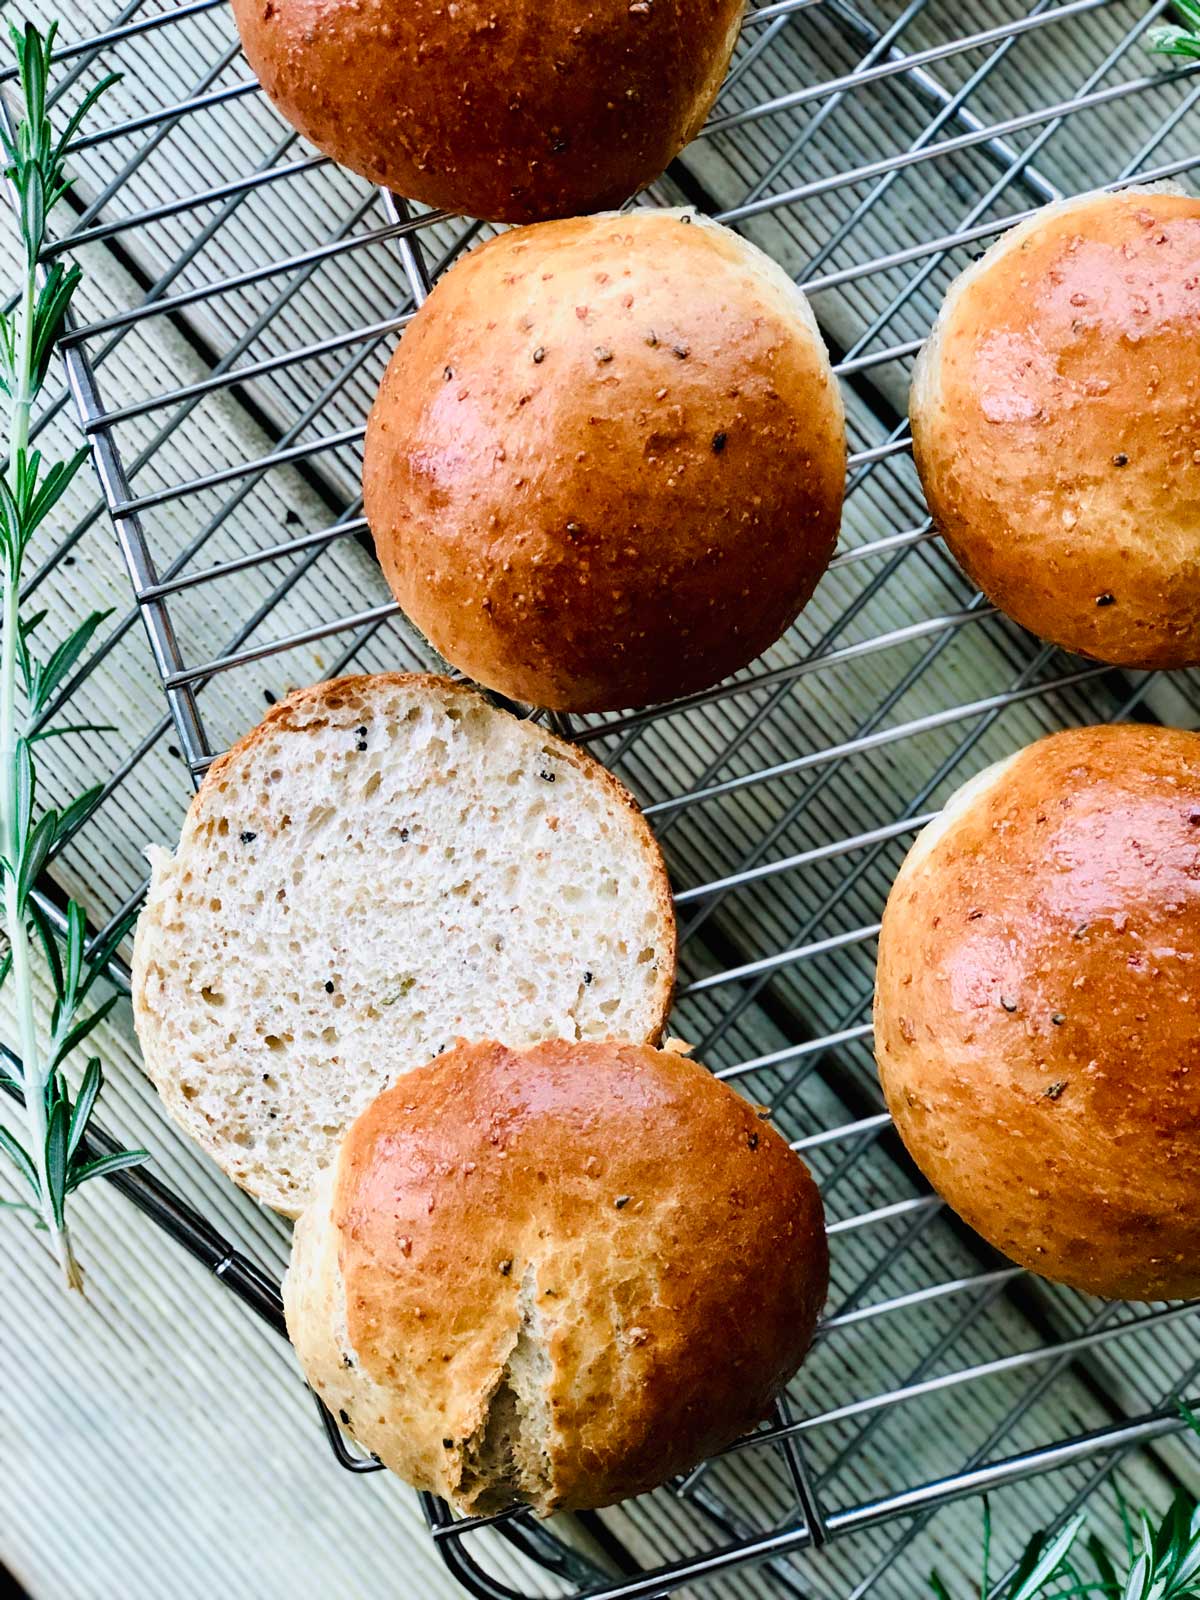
x=606 y=463
x=557 y=1276
x=1037 y=1008
x=382 y=865
x=1056 y=426
x=535 y=109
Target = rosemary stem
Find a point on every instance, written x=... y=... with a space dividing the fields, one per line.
x=57 y=1160
x=33 y=1080
x=18 y=440
x=34 y=1075
x=23 y=393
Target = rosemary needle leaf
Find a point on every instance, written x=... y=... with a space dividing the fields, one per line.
x=19 y=1156
x=938 y=1588
x=49 y=944
x=77 y=811
x=80 y=112
x=1105 y=1571
x=24 y=659
x=1138 y=1582
x=103 y=951
x=76 y=943
x=56 y=1090
x=71 y=727
x=1170 y=41
x=33 y=857
x=1177 y=1547
x=57 y=481
x=1029 y=1556
x=56 y=1152
x=10 y=516
x=1186 y=1577
x=1048 y=1561
x=25 y=785
x=89 y=1087
x=33 y=208
x=105 y=1166
x=1163 y=1543
x=81 y=1030
x=63 y=659
x=53 y=303
x=33 y=58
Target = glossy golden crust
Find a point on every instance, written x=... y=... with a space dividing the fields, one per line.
x=531 y=110
x=632 y=1213
x=606 y=462
x=1056 y=426
x=1037 y=1009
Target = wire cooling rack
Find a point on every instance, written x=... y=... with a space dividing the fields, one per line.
x=241 y=295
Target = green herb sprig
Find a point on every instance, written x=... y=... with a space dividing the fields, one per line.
x=51 y=1160
x=1039 y=1564
x=1160 y=1561
x=1178 y=39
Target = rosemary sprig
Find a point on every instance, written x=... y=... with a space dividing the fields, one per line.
x=1175 y=39
x=51 y=1161
x=1040 y=1564
x=1160 y=1561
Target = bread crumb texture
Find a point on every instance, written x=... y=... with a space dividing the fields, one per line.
x=383 y=866
x=557 y=1276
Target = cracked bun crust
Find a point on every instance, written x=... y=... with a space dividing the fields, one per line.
x=556 y=1276
x=1056 y=426
x=1037 y=1008
x=606 y=463
x=538 y=108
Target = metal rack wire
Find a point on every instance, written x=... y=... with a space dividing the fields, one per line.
x=241 y=295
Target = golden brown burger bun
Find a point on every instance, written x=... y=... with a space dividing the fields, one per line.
x=1056 y=426
x=555 y=1276
x=1037 y=1008
x=606 y=463
x=515 y=113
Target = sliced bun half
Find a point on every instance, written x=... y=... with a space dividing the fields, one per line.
x=383 y=865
